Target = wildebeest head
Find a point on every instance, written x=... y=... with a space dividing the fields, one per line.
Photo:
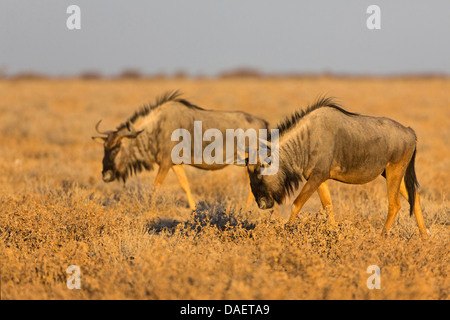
x=260 y=185
x=114 y=162
x=264 y=186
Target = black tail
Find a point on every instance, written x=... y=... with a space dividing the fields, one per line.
x=411 y=183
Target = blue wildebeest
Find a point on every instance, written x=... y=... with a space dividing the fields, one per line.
x=327 y=142
x=145 y=139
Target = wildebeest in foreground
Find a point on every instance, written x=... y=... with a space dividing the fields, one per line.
x=327 y=142
x=145 y=139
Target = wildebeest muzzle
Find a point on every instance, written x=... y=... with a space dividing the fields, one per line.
x=108 y=176
x=265 y=203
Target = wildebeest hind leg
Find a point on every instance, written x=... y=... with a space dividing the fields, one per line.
x=308 y=189
x=182 y=179
x=394 y=176
x=417 y=210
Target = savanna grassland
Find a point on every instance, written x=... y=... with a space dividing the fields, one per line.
x=56 y=211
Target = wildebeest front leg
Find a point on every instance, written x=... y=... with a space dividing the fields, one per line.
x=250 y=197
x=308 y=189
x=160 y=177
x=182 y=179
x=325 y=199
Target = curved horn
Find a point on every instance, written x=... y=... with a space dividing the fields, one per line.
x=96 y=128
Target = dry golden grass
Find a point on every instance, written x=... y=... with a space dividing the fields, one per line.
x=55 y=210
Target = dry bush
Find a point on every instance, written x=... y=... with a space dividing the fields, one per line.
x=131 y=243
x=90 y=75
x=241 y=73
x=130 y=74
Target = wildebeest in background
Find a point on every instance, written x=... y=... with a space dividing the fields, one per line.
x=145 y=139
x=327 y=142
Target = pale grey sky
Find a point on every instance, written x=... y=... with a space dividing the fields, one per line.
x=211 y=36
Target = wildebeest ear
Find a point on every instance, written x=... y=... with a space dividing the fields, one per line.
x=264 y=144
x=266 y=163
x=240 y=163
x=99 y=139
x=132 y=133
